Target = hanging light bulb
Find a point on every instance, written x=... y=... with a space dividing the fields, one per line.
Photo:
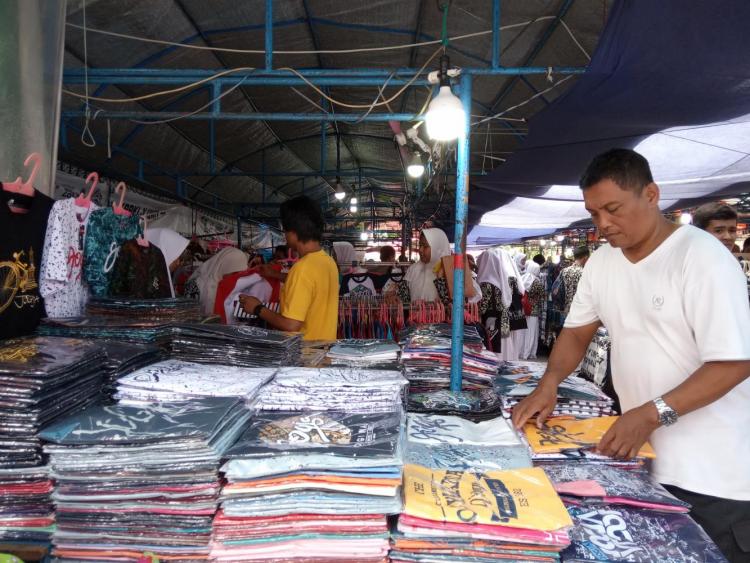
x=353 y=201
x=686 y=218
x=446 y=118
x=415 y=168
x=363 y=236
x=353 y=208
x=340 y=194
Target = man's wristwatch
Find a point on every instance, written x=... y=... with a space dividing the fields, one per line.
x=257 y=310
x=667 y=415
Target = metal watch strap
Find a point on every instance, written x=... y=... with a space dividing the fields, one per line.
x=667 y=415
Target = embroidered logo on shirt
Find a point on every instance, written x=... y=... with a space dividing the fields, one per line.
x=657 y=301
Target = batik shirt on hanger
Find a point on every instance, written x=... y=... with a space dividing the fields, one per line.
x=105 y=234
x=61 y=280
x=21 y=244
x=140 y=273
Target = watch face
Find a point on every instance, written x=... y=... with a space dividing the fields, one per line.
x=668 y=417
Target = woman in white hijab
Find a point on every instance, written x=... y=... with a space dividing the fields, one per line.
x=496 y=267
x=345 y=253
x=172 y=245
x=208 y=276
x=536 y=294
x=433 y=245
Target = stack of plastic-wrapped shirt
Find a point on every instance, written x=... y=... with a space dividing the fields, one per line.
x=575 y=396
x=130 y=480
x=176 y=380
x=457 y=515
x=369 y=354
x=333 y=388
x=311 y=486
x=124 y=358
x=244 y=346
x=426 y=360
x=41 y=380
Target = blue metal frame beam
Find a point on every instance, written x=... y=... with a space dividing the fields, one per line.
x=323 y=77
x=495 y=34
x=537 y=49
x=268 y=31
x=259 y=116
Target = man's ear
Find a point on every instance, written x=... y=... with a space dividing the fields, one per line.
x=652 y=193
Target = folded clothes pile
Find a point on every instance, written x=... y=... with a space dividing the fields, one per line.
x=311 y=487
x=619 y=533
x=124 y=358
x=598 y=483
x=575 y=396
x=175 y=380
x=333 y=388
x=476 y=516
x=426 y=360
x=168 y=310
x=371 y=354
x=570 y=439
x=120 y=329
x=471 y=405
x=244 y=346
x=130 y=480
x=42 y=379
x=448 y=442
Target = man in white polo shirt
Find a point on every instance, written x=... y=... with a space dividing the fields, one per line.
x=675 y=305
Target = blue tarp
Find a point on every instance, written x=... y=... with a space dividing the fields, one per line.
x=670 y=79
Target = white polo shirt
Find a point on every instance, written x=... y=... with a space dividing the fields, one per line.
x=683 y=305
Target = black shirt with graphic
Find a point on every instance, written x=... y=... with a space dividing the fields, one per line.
x=21 y=245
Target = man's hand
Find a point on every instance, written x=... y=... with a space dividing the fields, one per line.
x=541 y=402
x=249 y=303
x=628 y=434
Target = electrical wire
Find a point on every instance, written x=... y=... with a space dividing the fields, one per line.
x=524 y=102
x=200 y=109
x=162 y=92
x=326 y=51
x=87 y=137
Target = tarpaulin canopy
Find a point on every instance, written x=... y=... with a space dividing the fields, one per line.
x=669 y=79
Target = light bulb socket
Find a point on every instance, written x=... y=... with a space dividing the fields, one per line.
x=445 y=64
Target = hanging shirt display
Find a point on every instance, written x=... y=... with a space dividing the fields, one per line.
x=140 y=272
x=105 y=234
x=21 y=244
x=61 y=282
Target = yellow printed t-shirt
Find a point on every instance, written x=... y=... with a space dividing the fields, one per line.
x=311 y=296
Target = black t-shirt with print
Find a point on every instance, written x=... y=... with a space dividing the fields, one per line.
x=21 y=245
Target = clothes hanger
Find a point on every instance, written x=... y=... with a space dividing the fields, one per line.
x=85 y=201
x=24 y=188
x=118 y=208
x=141 y=240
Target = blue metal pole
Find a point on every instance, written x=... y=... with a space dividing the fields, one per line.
x=263 y=174
x=495 y=34
x=462 y=209
x=212 y=146
x=269 y=34
x=239 y=232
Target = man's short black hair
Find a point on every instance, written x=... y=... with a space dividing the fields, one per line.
x=624 y=167
x=581 y=252
x=302 y=215
x=387 y=254
x=539 y=259
x=716 y=211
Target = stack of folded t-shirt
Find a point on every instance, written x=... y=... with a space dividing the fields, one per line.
x=575 y=396
x=474 y=516
x=120 y=329
x=169 y=310
x=175 y=380
x=126 y=357
x=570 y=439
x=448 y=442
x=42 y=379
x=134 y=480
x=370 y=354
x=310 y=487
x=426 y=360
x=245 y=346
x=471 y=405
x=333 y=388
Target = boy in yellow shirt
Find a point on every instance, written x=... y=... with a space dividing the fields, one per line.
x=310 y=296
